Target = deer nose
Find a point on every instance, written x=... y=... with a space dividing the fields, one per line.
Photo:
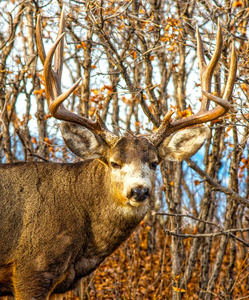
x=140 y=194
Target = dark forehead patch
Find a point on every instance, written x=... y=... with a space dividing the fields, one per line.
x=129 y=149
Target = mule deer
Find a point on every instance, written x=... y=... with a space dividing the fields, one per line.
x=60 y=221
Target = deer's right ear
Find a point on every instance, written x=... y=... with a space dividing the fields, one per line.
x=83 y=142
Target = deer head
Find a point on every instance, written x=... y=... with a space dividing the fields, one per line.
x=132 y=160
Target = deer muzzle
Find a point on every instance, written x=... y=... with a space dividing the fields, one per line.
x=140 y=194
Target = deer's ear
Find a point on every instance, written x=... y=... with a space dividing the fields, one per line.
x=82 y=142
x=184 y=143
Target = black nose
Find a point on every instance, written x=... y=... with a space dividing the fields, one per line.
x=140 y=194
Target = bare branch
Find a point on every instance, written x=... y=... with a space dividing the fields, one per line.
x=216 y=185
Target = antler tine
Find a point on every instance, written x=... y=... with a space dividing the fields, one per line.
x=206 y=72
x=40 y=46
x=52 y=83
x=55 y=98
x=200 y=51
x=232 y=74
x=58 y=57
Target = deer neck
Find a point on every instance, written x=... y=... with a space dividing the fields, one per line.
x=110 y=217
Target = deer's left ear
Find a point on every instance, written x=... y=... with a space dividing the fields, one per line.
x=184 y=143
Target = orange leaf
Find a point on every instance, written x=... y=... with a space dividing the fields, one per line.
x=121 y=26
x=237 y=3
x=177 y=277
x=95 y=91
x=39 y=92
x=48 y=141
x=106 y=87
x=142 y=223
x=184 y=113
x=178 y=290
x=34 y=140
x=244 y=87
x=91 y=111
x=167 y=27
x=84 y=45
x=134 y=54
x=171 y=48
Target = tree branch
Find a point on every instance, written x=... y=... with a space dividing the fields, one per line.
x=235 y=196
x=228 y=232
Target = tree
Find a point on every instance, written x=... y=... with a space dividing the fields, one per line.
x=138 y=60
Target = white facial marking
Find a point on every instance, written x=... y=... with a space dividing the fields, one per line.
x=134 y=175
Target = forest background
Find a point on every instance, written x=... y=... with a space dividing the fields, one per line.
x=138 y=60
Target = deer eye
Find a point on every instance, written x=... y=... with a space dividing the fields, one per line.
x=153 y=165
x=115 y=165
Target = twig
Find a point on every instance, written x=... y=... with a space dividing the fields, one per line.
x=186 y=216
x=225 y=232
x=37 y=155
x=216 y=185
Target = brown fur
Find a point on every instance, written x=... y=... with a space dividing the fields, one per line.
x=56 y=225
x=60 y=221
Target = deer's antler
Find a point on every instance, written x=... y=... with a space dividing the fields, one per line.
x=206 y=73
x=52 y=78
